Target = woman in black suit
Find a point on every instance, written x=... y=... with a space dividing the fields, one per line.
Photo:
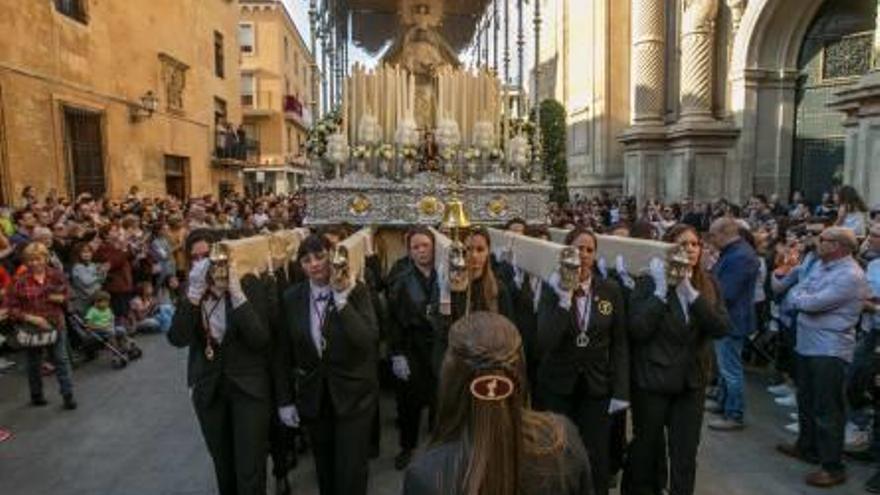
x=671 y=326
x=328 y=346
x=486 y=292
x=582 y=344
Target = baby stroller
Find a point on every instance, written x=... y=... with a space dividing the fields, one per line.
x=92 y=342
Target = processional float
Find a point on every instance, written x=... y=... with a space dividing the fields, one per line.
x=422 y=140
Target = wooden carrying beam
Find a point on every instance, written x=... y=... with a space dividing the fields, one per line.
x=261 y=253
x=359 y=246
x=541 y=258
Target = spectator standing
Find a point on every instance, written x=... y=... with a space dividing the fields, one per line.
x=120 y=278
x=36 y=304
x=737 y=272
x=829 y=303
x=852 y=212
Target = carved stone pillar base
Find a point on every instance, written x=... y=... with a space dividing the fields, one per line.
x=643 y=158
x=699 y=162
x=861 y=104
x=689 y=159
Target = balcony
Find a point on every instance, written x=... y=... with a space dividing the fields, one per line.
x=234 y=149
x=258 y=104
x=295 y=111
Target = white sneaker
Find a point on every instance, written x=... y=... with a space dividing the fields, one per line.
x=786 y=401
x=793 y=428
x=781 y=390
x=794 y=416
x=5 y=364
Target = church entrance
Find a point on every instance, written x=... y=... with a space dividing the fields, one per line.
x=835 y=52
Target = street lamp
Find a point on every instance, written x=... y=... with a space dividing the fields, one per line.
x=149 y=104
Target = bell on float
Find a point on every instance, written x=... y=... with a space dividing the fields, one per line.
x=454 y=215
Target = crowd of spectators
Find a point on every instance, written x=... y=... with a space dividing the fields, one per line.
x=815 y=302
x=98 y=271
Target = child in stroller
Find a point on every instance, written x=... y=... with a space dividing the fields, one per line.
x=101 y=323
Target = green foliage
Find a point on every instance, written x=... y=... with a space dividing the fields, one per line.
x=553 y=136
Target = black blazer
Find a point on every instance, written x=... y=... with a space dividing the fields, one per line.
x=347 y=369
x=604 y=363
x=525 y=317
x=410 y=330
x=442 y=323
x=671 y=354
x=243 y=356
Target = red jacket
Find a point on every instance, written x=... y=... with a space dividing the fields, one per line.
x=119 y=278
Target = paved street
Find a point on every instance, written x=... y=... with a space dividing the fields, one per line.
x=134 y=433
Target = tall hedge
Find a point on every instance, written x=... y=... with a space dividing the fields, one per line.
x=553 y=135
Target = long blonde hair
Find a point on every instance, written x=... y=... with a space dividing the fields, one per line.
x=495 y=435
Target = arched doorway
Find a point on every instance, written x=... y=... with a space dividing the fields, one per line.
x=836 y=50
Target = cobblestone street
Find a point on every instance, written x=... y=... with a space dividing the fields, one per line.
x=135 y=434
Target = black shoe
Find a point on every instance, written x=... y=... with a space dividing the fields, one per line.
x=38 y=400
x=873 y=484
x=402 y=460
x=69 y=402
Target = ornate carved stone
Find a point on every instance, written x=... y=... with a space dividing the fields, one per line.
x=737 y=9
x=649 y=56
x=697 y=59
x=174 y=79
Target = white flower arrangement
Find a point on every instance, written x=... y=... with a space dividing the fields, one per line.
x=449 y=153
x=360 y=152
x=385 y=152
x=408 y=153
x=472 y=154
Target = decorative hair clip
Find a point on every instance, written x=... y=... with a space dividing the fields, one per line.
x=491 y=387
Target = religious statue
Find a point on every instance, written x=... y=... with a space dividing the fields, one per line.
x=428 y=153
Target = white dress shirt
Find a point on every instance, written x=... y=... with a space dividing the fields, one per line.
x=319 y=299
x=214 y=312
x=584 y=307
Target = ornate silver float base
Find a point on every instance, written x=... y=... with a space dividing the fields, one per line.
x=421 y=201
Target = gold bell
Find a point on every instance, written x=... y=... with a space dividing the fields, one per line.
x=454 y=215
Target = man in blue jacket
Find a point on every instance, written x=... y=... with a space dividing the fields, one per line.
x=737 y=273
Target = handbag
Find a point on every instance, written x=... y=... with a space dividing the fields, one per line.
x=28 y=335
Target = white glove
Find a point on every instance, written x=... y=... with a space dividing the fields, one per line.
x=340 y=298
x=623 y=273
x=563 y=295
x=615 y=406
x=198 y=280
x=686 y=291
x=235 y=293
x=602 y=266
x=658 y=273
x=400 y=367
x=289 y=416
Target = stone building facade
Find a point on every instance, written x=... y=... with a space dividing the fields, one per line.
x=276 y=69
x=716 y=98
x=97 y=96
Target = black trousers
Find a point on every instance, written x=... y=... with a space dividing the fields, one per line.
x=410 y=403
x=282 y=448
x=235 y=426
x=341 y=447
x=822 y=409
x=591 y=417
x=680 y=417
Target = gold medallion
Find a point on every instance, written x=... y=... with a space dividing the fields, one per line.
x=429 y=206
x=605 y=308
x=360 y=205
x=497 y=206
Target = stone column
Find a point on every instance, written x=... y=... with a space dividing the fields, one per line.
x=698 y=59
x=876 y=67
x=648 y=61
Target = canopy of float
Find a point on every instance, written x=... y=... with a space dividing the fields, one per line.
x=376 y=23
